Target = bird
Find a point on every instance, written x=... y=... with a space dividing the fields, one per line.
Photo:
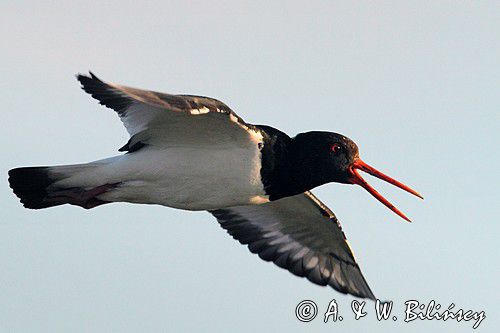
x=195 y=153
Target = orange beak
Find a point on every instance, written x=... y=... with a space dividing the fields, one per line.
x=355 y=178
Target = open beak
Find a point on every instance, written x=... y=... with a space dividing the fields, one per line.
x=355 y=178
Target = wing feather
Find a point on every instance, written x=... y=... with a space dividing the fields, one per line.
x=299 y=234
x=164 y=119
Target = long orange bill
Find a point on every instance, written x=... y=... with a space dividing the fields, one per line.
x=357 y=179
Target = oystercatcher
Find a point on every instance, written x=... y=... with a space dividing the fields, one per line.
x=195 y=153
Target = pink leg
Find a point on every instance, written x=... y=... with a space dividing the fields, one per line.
x=79 y=196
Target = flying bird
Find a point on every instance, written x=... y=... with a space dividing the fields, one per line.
x=195 y=153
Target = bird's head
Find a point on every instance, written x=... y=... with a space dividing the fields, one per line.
x=330 y=157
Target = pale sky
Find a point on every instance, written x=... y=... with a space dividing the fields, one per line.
x=414 y=83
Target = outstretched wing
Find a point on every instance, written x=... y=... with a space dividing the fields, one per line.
x=299 y=234
x=168 y=120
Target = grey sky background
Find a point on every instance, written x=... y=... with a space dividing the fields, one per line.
x=414 y=83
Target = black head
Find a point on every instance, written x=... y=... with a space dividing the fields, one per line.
x=316 y=158
x=324 y=156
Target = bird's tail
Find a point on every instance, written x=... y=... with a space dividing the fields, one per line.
x=42 y=187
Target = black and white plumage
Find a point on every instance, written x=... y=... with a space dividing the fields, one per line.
x=195 y=153
x=298 y=233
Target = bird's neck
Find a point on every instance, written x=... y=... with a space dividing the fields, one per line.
x=287 y=169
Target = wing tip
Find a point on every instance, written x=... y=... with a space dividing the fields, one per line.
x=105 y=93
x=85 y=79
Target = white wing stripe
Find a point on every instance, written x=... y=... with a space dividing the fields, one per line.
x=300 y=234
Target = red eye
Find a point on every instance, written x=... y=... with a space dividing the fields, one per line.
x=336 y=148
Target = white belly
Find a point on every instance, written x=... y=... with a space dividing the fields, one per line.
x=187 y=178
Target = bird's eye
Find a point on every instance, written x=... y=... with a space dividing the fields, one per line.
x=335 y=148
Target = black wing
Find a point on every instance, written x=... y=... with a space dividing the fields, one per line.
x=299 y=234
x=164 y=119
